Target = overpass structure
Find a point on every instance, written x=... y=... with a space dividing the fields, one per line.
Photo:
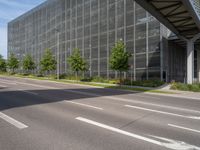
x=182 y=17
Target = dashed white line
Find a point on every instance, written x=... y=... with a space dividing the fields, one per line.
x=81 y=104
x=183 y=128
x=163 y=112
x=12 y=121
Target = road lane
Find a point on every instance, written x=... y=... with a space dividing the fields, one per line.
x=48 y=114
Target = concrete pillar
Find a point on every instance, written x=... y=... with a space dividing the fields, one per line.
x=190 y=61
x=198 y=65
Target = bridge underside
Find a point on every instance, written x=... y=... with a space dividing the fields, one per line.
x=183 y=19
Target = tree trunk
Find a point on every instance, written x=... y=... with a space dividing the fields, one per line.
x=76 y=76
x=120 y=78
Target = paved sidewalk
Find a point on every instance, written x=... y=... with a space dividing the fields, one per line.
x=180 y=94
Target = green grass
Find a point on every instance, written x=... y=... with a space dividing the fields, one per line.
x=140 y=90
x=103 y=85
x=185 y=87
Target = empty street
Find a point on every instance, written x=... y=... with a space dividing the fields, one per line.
x=45 y=115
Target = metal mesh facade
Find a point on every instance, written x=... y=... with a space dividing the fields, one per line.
x=93 y=26
x=196 y=4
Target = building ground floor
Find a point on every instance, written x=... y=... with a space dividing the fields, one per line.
x=171 y=62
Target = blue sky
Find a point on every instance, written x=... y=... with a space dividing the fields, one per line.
x=10 y=9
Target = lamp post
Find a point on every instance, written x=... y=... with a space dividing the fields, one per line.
x=132 y=67
x=58 y=54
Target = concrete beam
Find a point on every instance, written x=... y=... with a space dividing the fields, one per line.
x=188 y=4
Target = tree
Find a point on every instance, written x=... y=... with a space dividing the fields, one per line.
x=119 y=59
x=13 y=62
x=2 y=64
x=28 y=63
x=48 y=62
x=77 y=63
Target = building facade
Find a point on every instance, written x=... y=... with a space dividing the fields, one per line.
x=94 y=26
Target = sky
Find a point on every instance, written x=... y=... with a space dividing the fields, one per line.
x=9 y=10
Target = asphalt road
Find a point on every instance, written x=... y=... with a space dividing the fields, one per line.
x=42 y=115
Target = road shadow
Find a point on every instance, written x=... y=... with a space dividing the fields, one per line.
x=13 y=99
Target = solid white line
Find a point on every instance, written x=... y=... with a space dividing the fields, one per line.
x=8 y=83
x=12 y=121
x=33 y=93
x=176 y=96
x=3 y=86
x=90 y=106
x=151 y=104
x=163 y=112
x=119 y=131
x=147 y=96
x=36 y=85
x=184 y=128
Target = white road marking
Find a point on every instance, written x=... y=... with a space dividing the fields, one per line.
x=163 y=112
x=175 y=145
x=151 y=104
x=118 y=131
x=36 y=85
x=113 y=98
x=176 y=96
x=12 y=121
x=184 y=128
x=3 y=86
x=147 y=96
x=167 y=143
x=29 y=92
x=13 y=83
x=90 y=106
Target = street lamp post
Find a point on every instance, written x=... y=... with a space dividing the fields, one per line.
x=58 y=54
x=132 y=67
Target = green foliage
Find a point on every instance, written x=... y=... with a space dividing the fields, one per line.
x=119 y=58
x=77 y=63
x=185 y=87
x=13 y=62
x=145 y=83
x=48 y=62
x=2 y=64
x=28 y=63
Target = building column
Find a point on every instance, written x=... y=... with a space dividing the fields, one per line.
x=198 y=65
x=190 y=61
x=190 y=58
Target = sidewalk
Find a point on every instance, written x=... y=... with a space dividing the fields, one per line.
x=179 y=94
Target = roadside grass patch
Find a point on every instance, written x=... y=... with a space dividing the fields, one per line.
x=99 y=82
x=185 y=87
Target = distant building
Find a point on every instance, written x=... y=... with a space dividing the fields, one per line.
x=94 y=26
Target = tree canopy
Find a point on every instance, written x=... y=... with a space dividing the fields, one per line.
x=77 y=63
x=2 y=64
x=28 y=63
x=13 y=62
x=48 y=62
x=119 y=58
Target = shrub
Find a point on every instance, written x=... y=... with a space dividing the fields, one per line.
x=62 y=76
x=39 y=75
x=86 y=79
x=185 y=87
x=145 y=83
